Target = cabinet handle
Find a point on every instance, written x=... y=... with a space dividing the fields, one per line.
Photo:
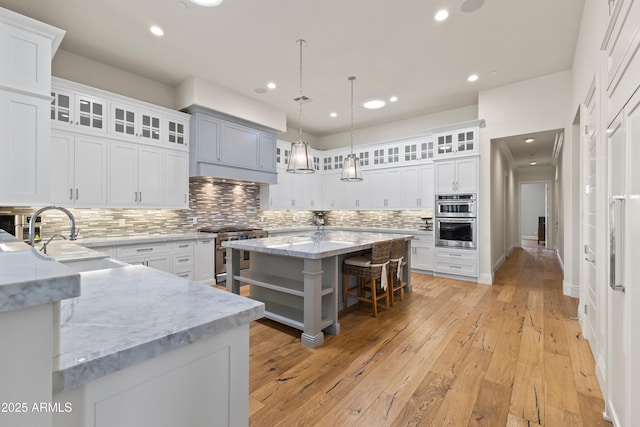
x=206 y=242
x=71 y=194
x=140 y=196
x=183 y=246
x=183 y=260
x=144 y=250
x=458 y=255
x=185 y=198
x=135 y=196
x=77 y=193
x=455 y=266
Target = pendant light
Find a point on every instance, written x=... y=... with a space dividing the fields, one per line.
x=351 y=171
x=300 y=159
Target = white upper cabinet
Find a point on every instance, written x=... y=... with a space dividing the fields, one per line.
x=26 y=49
x=78 y=111
x=134 y=175
x=78 y=170
x=457 y=175
x=456 y=143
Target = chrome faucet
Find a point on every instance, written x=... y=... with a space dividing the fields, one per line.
x=72 y=222
x=43 y=249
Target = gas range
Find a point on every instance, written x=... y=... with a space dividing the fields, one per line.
x=226 y=233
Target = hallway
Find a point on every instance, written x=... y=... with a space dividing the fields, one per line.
x=452 y=353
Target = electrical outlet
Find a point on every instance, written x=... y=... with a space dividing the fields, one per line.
x=195 y=220
x=122 y=222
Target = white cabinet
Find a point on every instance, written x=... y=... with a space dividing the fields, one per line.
x=135 y=123
x=155 y=255
x=135 y=175
x=78 y=111
x=78 y=170
x=176 y=181
x=417 y=187
x=457 y=175
x=293 y=191
x=183 y=255
x=26 y=149
x=205 y=265
x=422 y=252
x=457 y=262
x=26 y=49
x=385 y=188
x=457 y=142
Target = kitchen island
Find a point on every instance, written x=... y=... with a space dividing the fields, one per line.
x=129 y=345
x=299 y=278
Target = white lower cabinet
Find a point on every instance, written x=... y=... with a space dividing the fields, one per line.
x=205 y=265
x=78 y=170
x=422 y=252
x=184 y=254
x=154 y=255
x=459 y=262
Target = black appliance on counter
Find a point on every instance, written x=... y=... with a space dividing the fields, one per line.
x=227 y=233
x=18 y=225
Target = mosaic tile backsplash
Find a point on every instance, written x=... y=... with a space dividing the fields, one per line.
x=212 y=203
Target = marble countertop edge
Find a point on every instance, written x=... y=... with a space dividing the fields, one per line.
x=81 y=373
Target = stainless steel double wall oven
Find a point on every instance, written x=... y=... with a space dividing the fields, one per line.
x=455 y=224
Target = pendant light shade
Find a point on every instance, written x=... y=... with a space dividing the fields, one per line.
x=300 y=159
x=351 y=171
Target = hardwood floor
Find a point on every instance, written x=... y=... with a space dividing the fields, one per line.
x=451 y=353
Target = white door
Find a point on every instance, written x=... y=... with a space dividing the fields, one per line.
x=624 y=291
x=444 y=176
x=589 y=296
x=123 y=174
x=425 y=174
x=62 y=154
x=150 y=176
x=467 y=175
x=176 y=180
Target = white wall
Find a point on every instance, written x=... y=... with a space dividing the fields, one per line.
x=533 y=202
x=79 y=69
x=529 y=106
x=399 y=129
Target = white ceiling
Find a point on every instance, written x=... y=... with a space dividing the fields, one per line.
x=393 y=48
x=540 y=150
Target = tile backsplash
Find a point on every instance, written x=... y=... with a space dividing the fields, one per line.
x=212 y=203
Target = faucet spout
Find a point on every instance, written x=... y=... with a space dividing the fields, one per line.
x=72 y=221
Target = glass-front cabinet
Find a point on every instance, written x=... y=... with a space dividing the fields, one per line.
x=70 y=109
x=456 y=142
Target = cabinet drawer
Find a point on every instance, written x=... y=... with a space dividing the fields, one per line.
x=181 y=261
x=422 y=241
x=186 y=246
x=457 y=254
x=135 y=250
x=452 y=266
x=186 y=274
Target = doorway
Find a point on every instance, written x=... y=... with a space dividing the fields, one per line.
x=534 y=208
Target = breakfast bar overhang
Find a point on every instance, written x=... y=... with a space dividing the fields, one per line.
x=299 y=279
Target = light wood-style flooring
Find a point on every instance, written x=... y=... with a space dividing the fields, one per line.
x=452 y=353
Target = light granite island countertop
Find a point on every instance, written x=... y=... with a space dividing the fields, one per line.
x=299 y=279
x=129 y=345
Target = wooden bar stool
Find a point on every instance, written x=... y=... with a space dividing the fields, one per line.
x=396 y=263
x=369 y=269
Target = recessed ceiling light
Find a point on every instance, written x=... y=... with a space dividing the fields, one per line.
x=207 y=3
x=441 y=15
x=533 y=163
x=375 y=104
x=529 y=140
x=333 y=114
x=393 y=99
x=156 y=31
x=271 y=85
x=472 y=77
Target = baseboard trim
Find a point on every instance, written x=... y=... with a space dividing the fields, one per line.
x=560 y=260
x=529 y=237
x=498 y=263
x=485 y=279
x=570 y=290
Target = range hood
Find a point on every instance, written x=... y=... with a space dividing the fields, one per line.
x=222 y=146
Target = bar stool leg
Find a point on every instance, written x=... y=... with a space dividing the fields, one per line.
x=374 y=302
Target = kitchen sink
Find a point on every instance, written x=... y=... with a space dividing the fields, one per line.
x=80 y=266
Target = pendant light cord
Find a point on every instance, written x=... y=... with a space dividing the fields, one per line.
x=301 y=42
x=352 y=78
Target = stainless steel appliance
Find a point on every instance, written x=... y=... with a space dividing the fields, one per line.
x=18 y=225
x=456 y=224
x=456 y=205
x=225 y=234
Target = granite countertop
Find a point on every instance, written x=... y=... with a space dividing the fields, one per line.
x=29 y=278
x=314 y=245
x=131 y=314
x=101 y=242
